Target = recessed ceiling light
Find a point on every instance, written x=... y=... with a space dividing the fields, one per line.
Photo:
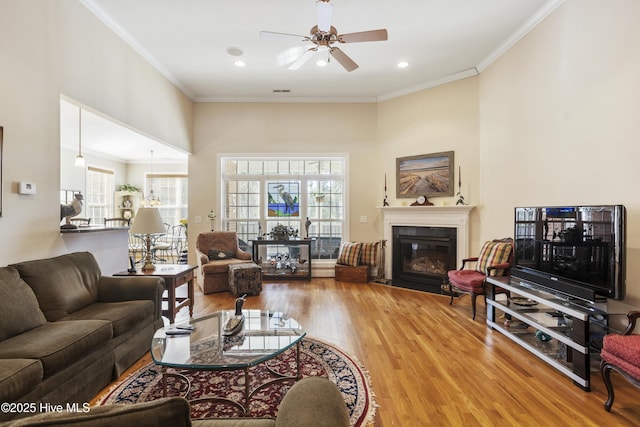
x=403 y=64
x=234 y=51
x=321 y=63
x=239 y=63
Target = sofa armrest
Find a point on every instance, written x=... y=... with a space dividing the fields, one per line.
x=128 y=288
x=313 y=401
x=168 y=411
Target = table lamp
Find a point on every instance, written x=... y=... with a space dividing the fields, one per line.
x=148 y=221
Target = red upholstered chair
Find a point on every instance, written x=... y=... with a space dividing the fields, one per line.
x=621 y=352
x=496 y=258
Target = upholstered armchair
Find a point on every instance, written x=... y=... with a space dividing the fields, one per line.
x=496 y=259
x=621 y=353
x=216 y=250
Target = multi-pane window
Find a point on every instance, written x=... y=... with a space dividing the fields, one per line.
x=99 y=197
x=262 y=193
x=171 y=191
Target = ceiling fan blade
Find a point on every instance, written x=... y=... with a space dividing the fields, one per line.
x=364 y=36
x=325 y=12
x=343 y=59
x=271 y=34
x=302 y=59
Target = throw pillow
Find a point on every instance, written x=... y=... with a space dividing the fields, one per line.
x=217 y=254
x=19 y=308
x=493 y=253
x=349 y=253
x=369 y=254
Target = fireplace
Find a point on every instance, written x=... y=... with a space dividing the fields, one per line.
x=428 y=249
x=422 y=256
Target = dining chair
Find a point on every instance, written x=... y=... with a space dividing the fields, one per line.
x=117 y=222
x=82 y=222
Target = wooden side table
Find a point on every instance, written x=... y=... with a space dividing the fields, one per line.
x=174 y=275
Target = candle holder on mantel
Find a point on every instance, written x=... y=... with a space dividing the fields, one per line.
x=460 y=196
x=384 y=201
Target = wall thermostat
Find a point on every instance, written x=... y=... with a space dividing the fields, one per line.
x=26 y=188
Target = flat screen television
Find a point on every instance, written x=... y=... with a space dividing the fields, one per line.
x=575 y=251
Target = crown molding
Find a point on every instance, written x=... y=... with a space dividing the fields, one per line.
x=133 y=43
x=546 y=10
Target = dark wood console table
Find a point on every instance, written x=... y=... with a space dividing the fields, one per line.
x=283 y=259
x=174 y=275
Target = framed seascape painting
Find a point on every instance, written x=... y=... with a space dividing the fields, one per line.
x=284 y=199
x=428 y=175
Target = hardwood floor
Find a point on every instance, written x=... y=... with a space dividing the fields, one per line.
x=430 y=364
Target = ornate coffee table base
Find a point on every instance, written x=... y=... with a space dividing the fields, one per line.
x=248 y=393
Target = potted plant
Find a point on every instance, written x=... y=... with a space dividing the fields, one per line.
x=282 y=232
x=128 y=187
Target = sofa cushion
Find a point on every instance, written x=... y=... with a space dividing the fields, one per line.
x=349 y=254
x=62 y=284
x=58 y=344
x=219 y=240
x=493 y=253
x=369 y=253
x=17 y=377
x=19 y=309
x=313 y=401
x=170 y=411
x=623 y=351
x=217 y=254
x=124 y=316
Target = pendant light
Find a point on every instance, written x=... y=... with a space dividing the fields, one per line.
x=152 y=200
x=79 y=159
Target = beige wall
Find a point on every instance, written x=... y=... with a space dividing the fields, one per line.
x=559 y=120
x=224 y=128
x=55 y=47
x=554 y=120
x=444 y=118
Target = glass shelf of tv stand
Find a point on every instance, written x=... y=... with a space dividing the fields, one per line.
x=568 y=350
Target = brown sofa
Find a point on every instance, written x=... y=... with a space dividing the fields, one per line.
x=313 y=401
x=66 y=331
x=216 y=250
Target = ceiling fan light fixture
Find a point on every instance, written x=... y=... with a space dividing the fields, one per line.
x=321 y=63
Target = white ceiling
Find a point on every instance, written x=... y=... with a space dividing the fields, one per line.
x=104 y=137
x=188 y=42
x=442 y=40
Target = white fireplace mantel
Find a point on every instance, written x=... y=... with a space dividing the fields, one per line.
x=427 y=216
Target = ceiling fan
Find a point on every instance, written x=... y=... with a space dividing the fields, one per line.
x=324 y=36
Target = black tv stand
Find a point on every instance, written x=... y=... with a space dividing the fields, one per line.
x=564 y=320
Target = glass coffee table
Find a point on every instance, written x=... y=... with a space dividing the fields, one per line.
x=200 y=344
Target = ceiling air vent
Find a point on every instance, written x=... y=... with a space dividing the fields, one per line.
x=281 y=90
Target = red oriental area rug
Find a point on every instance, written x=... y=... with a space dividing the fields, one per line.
x=316 y=359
